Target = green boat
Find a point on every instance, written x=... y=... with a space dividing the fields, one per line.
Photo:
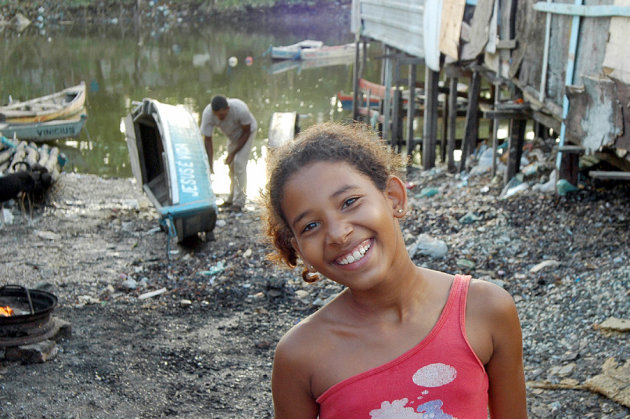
x=44 y=131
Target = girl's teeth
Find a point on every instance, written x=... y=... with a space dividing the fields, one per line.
x=357 y=255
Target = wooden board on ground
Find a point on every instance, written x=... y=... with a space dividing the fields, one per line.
x=282 y=128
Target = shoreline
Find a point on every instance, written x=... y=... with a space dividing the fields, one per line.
x=187 y=12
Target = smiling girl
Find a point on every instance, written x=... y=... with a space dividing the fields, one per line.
x=399 y=341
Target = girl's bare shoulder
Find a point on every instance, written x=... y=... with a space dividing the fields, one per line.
x=310 y=338
x=488 y=299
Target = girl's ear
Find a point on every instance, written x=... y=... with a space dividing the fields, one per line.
x=396 y=193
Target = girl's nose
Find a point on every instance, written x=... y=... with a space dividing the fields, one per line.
x=339 y=231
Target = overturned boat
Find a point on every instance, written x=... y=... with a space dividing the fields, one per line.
x=169 y=160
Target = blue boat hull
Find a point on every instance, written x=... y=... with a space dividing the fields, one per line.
x=169 y=160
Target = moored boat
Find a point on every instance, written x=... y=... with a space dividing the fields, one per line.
x=59 y=105
x=169 y=160
x=45 y=131
x=293 y=52
x=329 y=52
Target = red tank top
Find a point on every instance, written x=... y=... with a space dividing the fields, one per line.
x=439 y=378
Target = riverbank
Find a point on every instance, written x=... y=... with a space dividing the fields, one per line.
x=167 y=11
x=204 y=346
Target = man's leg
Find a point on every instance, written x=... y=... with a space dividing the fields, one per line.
x=239 y=172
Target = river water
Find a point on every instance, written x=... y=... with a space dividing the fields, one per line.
x=177 y=65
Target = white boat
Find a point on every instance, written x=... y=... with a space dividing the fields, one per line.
x=329 y=52
x=293 y=52
x=59 y=105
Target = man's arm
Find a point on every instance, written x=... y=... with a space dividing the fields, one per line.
x=247 y=129
x=210 y=151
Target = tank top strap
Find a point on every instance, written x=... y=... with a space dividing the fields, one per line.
x=457 y=301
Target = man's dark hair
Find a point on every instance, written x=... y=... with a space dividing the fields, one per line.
x=219 y=102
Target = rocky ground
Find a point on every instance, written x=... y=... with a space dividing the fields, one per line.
x=204 y=347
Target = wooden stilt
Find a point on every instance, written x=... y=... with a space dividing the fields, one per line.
x=445 y=111
x=356 y=75
x=411 y=112
x=387 y=105
x=471 y=130
x=515 y=146
x=452 y=123
x=396 y=105
x=430 y=118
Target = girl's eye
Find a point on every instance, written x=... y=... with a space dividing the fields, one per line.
x=349 y=202
x=308 y=227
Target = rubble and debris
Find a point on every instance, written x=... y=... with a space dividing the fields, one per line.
x=613 y=382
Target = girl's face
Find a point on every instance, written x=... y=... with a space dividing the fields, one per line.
x=343 y=224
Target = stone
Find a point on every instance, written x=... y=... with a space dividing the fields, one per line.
x=302 y=295
x=562 y=371
x=35 y=353
x=613 y=323
x=544 y=264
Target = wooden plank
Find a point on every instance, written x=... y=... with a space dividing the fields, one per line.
x=623 y=95
x=616 y=63
x=609 y=175
x=595 y=117
x=471 y=127
x=430 y=119
x=576 y=10
x=450 y=29
x=497 y=112
x=479 y=30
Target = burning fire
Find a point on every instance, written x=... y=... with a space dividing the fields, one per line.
x=6 y=311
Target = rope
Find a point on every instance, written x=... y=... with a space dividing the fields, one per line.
x=169 y=224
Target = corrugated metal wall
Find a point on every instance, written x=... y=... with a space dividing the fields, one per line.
x=394 y=23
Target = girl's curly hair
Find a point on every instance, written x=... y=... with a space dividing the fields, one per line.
x=354 y=144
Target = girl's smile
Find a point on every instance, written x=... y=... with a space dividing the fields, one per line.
x=355 y=255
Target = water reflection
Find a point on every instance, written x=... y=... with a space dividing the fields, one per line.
x=181 y=66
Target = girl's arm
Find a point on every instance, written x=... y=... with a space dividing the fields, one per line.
x=290 y=383
x=505 y=368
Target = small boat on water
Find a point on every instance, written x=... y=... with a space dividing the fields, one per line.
x=169 y=160
x=329 y=52
x=45 y=131
x=59 y=105
x=286 y=65
x=346 y=99
x=293 y=52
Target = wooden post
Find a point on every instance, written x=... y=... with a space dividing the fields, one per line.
x=471 y=127
x=495 y=129
x=411 y=112
x=387 y=82
x=452 y=122
x=355 y=82
x=515 y=147
x=396 y=105
x=445 y=110
x=430 y=118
